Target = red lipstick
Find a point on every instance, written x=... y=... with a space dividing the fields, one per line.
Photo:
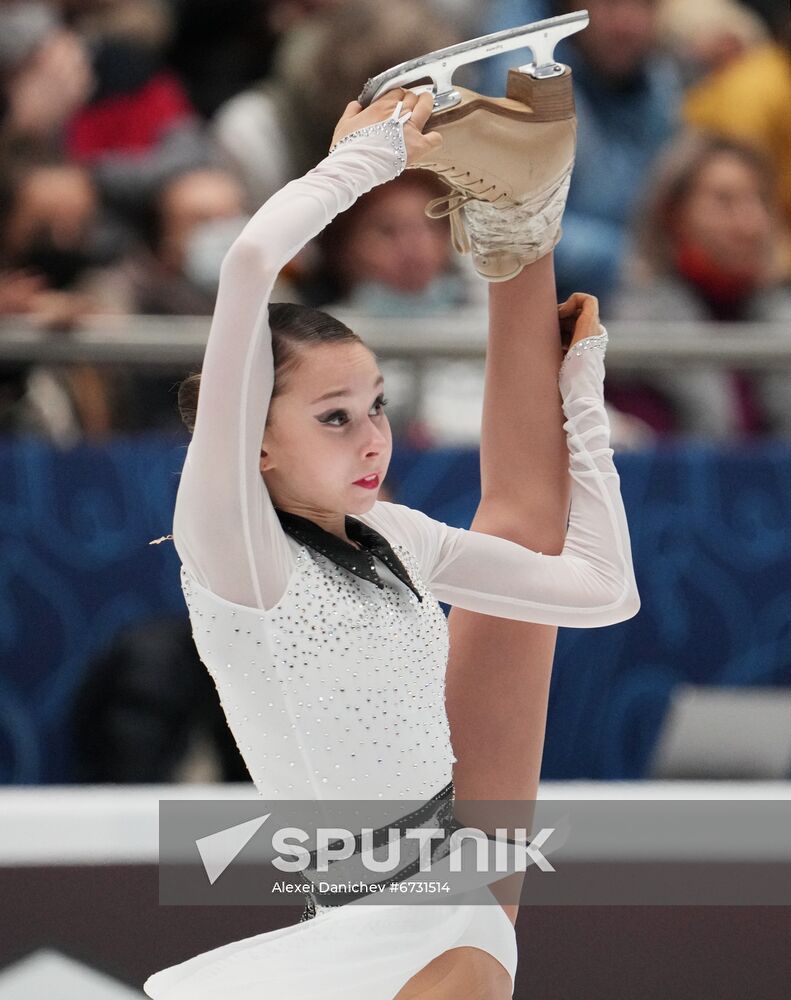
x=369 y=482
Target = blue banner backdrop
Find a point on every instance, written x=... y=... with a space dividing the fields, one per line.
x=711 y=544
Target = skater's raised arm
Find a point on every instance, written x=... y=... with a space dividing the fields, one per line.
x=591 y=582
x=225 y=527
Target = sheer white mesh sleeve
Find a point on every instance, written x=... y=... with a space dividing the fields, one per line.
x=225 y=528
x=591 y=582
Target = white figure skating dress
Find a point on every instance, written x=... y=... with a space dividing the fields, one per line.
x=329 y=660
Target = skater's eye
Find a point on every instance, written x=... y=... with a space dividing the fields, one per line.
x=343 y=415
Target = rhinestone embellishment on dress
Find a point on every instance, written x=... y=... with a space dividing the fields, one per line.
x=339 y=690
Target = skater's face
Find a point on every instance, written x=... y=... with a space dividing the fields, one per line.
x=727 y=215
x=314 y=448
x=620 y=35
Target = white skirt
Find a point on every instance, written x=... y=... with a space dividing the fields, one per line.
x=350 y=952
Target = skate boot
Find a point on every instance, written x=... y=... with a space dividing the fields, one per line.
x=507 y=161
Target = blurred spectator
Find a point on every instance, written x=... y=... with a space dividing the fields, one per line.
x=704 y=248
x=195 y=217
x=53 y=227
x=385 y=256
x=220 y=47
x=52 y=231
x=282 y=127
x=749 y=99
x=177 y=273
x=627 y=95
x=56 y=249
x=138 y=127
x=108 y=102
x=708 y=34
x=45 y=75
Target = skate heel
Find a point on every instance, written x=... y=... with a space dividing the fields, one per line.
x=551 y=99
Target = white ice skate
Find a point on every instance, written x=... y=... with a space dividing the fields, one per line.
x=507 y=160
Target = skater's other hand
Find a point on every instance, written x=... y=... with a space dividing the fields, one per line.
x=421 y=106
x=579 y=318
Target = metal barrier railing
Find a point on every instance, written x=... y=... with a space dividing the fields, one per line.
x=179 y=342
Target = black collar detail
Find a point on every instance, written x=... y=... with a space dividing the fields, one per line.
x=357 y=561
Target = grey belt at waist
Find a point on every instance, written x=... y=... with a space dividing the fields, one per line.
x=436 y=812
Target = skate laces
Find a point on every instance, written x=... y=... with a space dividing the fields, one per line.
x=523 y=228
x=460 y=192
x=451 y=204
x=501 y=225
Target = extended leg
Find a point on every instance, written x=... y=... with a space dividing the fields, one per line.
x=499 y=670
x=459 y=974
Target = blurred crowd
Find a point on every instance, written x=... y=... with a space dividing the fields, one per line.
x=138 y=136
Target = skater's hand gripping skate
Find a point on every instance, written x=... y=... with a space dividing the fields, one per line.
x=419 y=105
x=579 y=318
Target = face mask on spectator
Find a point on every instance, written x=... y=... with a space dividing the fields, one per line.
x=205 y=249
x=378 y=299
x=61 y=266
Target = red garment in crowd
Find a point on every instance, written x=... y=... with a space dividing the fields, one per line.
x=642 y=401
x=726 y=295
x=752 y=420
x=128 y=122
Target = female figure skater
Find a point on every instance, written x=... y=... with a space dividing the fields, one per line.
x=315 y=606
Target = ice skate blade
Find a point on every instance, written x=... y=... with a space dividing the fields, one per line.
x=540 y=37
